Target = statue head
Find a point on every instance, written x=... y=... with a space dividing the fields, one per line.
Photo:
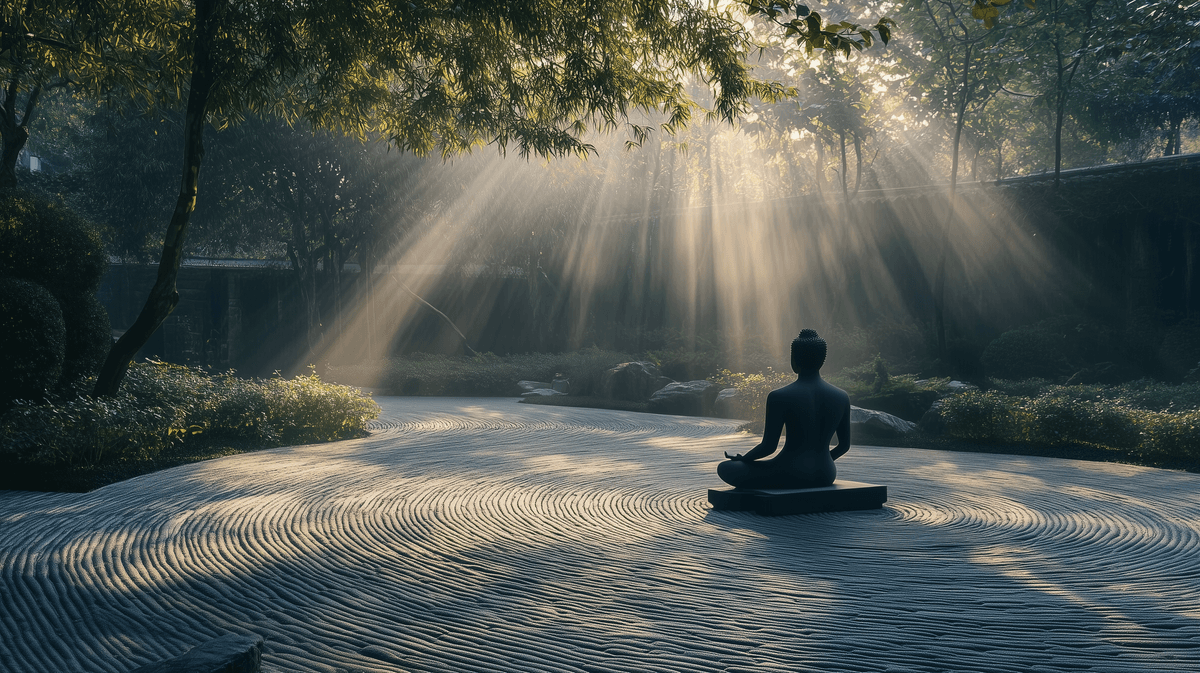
x=808 y=352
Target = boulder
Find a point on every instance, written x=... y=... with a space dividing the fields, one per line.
x=228 y=654
x=878 y=423
x=562 y=385
x=1104 y=372
x=960 y=387
x=932 y=422
x=632 y=381
x=527 y=386
x=729 y=405
x=693 y=398
x=542 y=392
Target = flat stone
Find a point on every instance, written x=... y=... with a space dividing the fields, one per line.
x=230 y=653
x=542 y=392
x=841 y=496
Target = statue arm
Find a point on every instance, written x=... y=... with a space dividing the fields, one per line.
x=771 y=433
x=843 y=433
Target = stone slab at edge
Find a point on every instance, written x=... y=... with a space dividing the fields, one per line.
x=841 y=496
x=230 y=653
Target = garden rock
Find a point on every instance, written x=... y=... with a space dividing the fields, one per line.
x=527 y=386
x=693 y=398
x=878 y=423
x=729 y=405
x=632 y=381
x=228 y=654
x=960 y=387
x=542 y=392
x=932 y=422
x=561 y=385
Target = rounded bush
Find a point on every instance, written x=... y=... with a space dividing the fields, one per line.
x=51 y=245
x=89 y=336
x=986 y=417
x=32 y=339
x=1180 y=350
x=1026 y=352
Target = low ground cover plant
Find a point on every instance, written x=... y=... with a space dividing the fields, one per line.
x=162 y=405
x=869 y=385
x=1151 y=419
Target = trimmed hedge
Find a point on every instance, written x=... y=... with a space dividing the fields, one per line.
x=485 y=375
x=1064 y=416
x=32 y=341
x=89 y=336
x=51 y=245
x=48 y=244
x=162 y=404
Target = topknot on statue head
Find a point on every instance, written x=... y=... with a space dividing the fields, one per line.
x=808 y=352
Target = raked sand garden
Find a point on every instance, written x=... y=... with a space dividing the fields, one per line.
x=485 y=535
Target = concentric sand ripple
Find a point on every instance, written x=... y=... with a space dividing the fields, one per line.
x=484 y=535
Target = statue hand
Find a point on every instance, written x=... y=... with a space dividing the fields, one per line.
x=736 y=457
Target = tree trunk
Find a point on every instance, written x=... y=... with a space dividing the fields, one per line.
x=939 y=279
x=14 y=141
x=845 y=178
x=164 y=296
x=820 y=165
x=14 y=134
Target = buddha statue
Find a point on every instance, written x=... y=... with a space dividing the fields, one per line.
x=813 y=411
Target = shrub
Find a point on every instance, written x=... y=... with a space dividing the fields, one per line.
x=161 y=404
x=1059 y=420
x=754 y=388
x=1113 y=417
x=51 y=245
x=903 y=395
x=85 y=431
x=88 y=337
x=1175 y=435
x=1026 y=352
x=979 y=416
x=32 y=341
x=1180 y=350
x=483 y=375
x=305 y=409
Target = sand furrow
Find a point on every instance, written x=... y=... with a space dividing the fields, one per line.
x=483 y=535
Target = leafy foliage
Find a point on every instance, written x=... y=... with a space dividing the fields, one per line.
x=49 y=244
x=484 y=374
x=32 y=339
x=1073 y=415
x=811 y=31
x=88 y=336
x=1026 y=352
x=163 y=404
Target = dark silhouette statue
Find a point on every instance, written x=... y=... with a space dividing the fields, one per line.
x=813 y=411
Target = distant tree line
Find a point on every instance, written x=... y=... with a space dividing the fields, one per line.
x=120 y=92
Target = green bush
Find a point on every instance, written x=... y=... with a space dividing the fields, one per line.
x=481 y=375
x=1113 y=417
x=85 y=431
x=1180 y=350
x=32 y=341
x=1141 y=394
x=306 y=409
x=88 y=338
x=51 y=245
x=979 y=416
x=754 y=388
x=161 y=404
x=1027 y=352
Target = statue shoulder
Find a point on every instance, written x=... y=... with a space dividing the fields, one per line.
x=837 y=392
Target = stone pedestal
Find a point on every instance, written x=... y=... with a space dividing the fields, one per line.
x=840 y=497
